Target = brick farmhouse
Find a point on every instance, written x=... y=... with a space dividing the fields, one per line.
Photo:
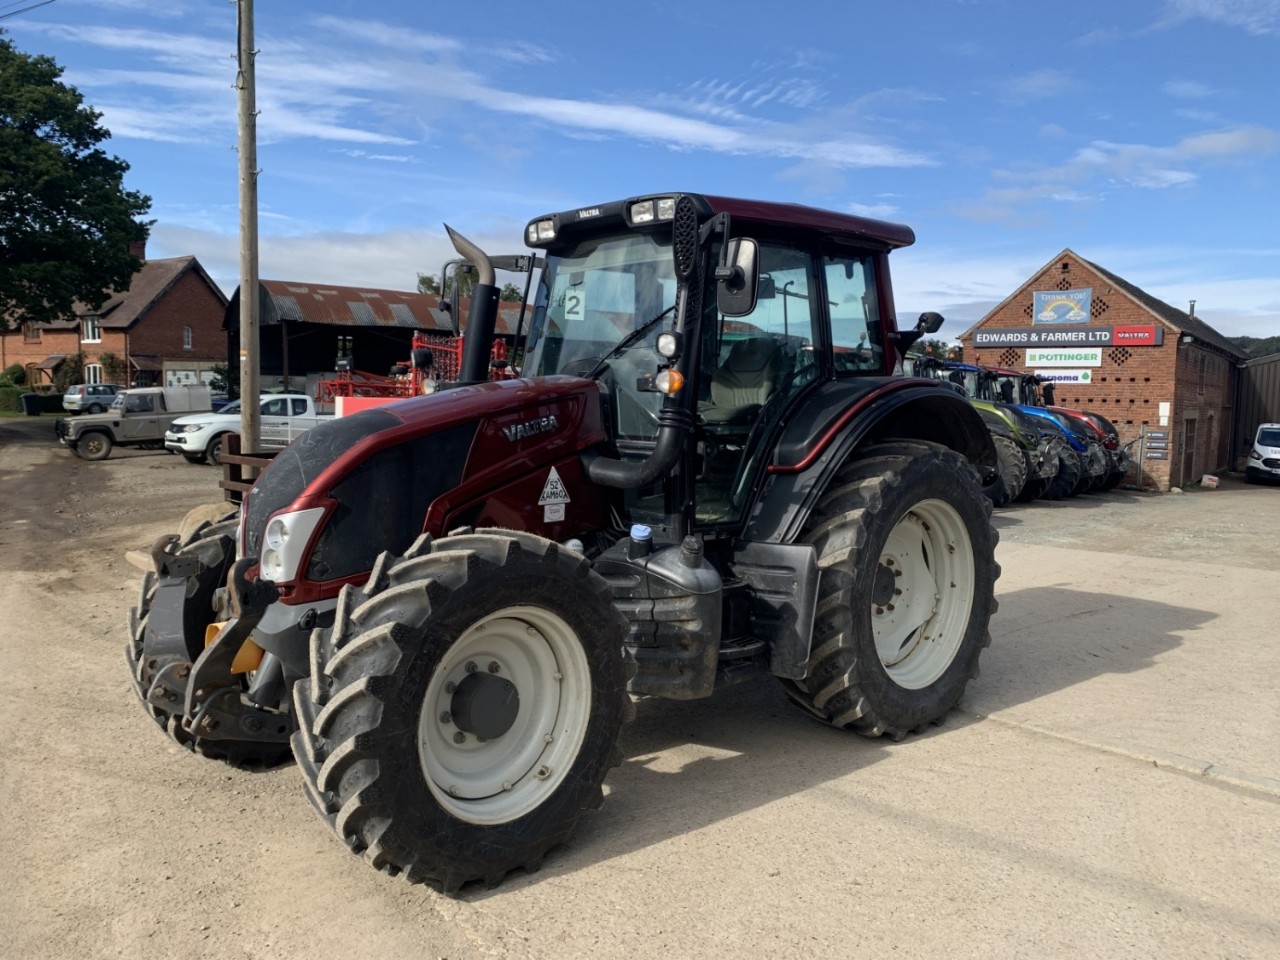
x=167 y=328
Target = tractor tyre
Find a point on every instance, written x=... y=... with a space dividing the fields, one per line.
x=464 y=708
x=94 y=445
x=214 y=542
x=1114 y=479
x=1064 y=483
x=1013 y=472
x=896 y=641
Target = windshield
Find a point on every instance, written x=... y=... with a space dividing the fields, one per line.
x=232 y=407
x=588 y=300
x=1268 y=437
x=594 y=295
x=117 y=402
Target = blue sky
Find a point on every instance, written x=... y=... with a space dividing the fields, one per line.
x=1143 y=134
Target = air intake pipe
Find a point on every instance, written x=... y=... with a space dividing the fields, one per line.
x=674 y=419
x=482 y=318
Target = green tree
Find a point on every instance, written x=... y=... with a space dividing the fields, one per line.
x=70 y=371
x=66 y=221
x=511 y=293
x=465 y=276
x=16 y=373
x=114 y=369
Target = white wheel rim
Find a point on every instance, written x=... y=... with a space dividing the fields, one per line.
x=500 y=780
x=921 y=627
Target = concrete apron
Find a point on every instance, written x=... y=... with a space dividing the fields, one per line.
x=1107 y=650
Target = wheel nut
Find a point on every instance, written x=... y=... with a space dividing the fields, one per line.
x=446 y=717
x=543 y=773
x=897 y=591
x=459 y=737
x=450 y=687
x=506 y=784
x=493 y=666
x=547 y=738
x=471 y=666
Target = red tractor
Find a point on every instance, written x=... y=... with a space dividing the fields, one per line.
x=707 y=473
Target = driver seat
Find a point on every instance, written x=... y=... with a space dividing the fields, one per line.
x=742 y=384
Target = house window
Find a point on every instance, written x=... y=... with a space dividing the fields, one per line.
x=30 y=333
x=91 y=332
x=186 y=338
x=93 y=373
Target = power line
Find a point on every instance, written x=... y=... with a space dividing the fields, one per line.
x=14 y=13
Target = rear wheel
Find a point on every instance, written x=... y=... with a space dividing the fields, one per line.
x=95 y=408
x=94 y=445
x=1068 y=476
x=897 y=638
x=464 y=708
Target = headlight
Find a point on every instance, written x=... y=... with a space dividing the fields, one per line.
x=1254 y=455
x=647 y=211
x=285 y=541
x=540 y=231
x=188 y=427
x=669 y=345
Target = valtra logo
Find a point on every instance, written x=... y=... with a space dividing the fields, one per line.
x=1137 y=335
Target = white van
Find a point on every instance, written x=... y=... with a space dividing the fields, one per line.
x=1264 y=458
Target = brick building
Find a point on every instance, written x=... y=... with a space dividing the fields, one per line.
x=167 y=328
x=1158 y=373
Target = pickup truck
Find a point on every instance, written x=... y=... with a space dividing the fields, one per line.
x=201 y=438
x=137 y=418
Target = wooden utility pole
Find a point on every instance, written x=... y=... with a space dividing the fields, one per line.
x=250 y=413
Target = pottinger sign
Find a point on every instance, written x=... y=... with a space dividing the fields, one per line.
x=1058 y=357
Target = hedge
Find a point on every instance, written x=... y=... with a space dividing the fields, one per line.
x=11 y=400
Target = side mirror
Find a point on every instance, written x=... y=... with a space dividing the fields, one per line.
x=739 y=278
x=768 y=289
x=929 y=322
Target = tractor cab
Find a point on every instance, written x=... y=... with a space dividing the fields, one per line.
x=795 y=301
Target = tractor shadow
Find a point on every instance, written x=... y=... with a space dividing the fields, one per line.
x=691 y=764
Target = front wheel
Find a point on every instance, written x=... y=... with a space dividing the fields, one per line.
x=94 y=445
x=464 y=708
x=906 y=554
x=1068 y=476
x=1013 y=472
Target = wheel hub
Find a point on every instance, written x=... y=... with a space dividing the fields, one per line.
x=485 y=705
x=883 y=585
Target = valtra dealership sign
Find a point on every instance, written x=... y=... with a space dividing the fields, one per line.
x=1130 y=335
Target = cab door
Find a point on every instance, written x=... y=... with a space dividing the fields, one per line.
x=141 y=417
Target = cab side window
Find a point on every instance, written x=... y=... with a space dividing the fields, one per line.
x=856 y=337
x=299 y=406
x=275 y=408
x=140 y=403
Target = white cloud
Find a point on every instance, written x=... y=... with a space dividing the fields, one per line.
x=1243 y=141
x=882 y=211
x=1188 y=89
x=1037 y=85
x=1258 y=17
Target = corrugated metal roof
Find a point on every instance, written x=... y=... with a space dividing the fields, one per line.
x=294 y=302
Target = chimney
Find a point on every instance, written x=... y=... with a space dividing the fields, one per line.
x=138 y=248
x=1191 y=310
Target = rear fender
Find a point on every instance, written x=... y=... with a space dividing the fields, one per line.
x=896 y=409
